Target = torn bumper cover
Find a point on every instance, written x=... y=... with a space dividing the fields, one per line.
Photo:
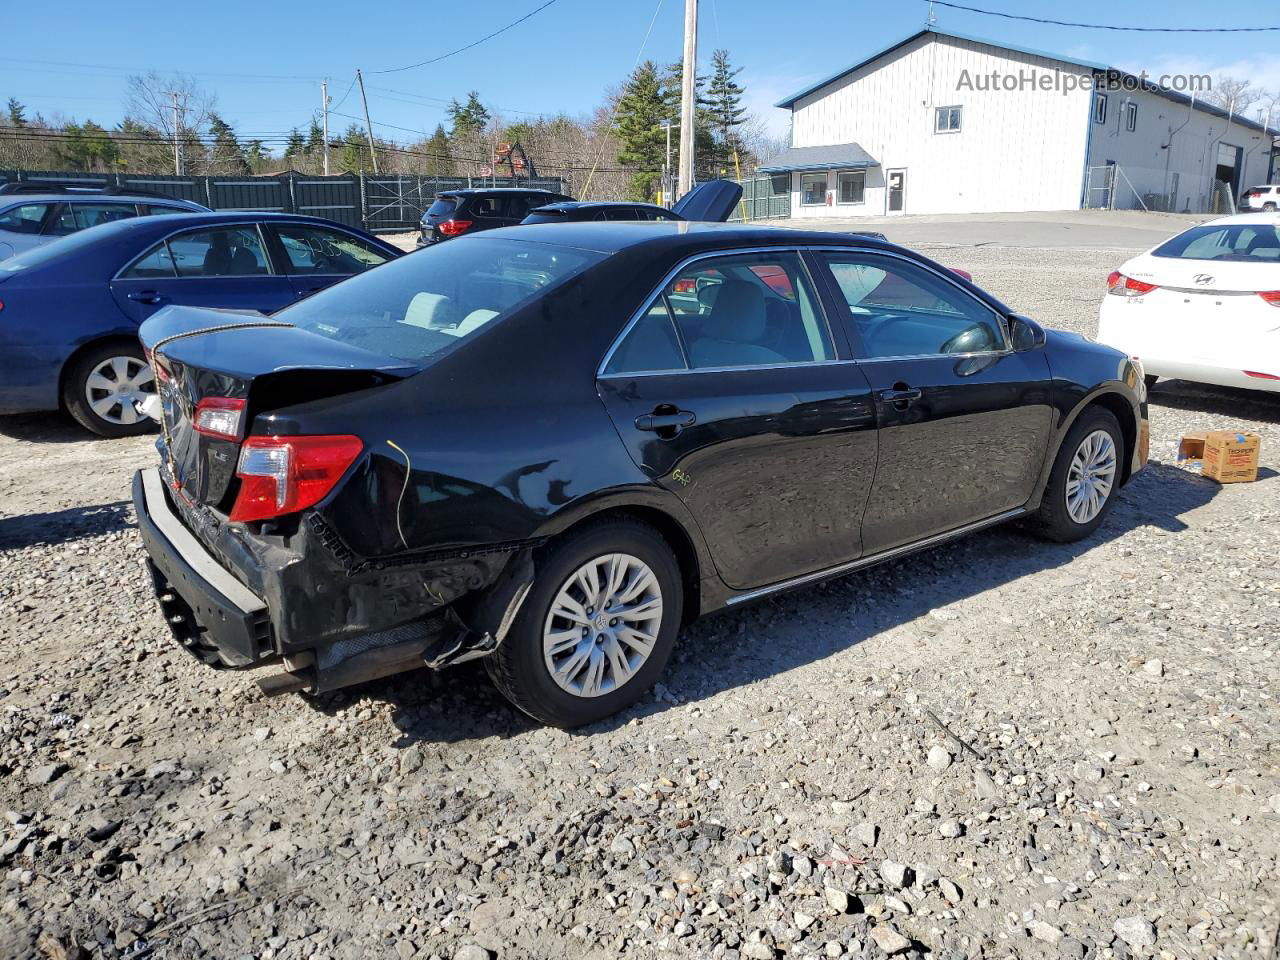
x=224 y=620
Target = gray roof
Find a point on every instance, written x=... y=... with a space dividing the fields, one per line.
x=842 y=156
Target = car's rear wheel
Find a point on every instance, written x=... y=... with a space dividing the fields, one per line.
x=597 y=627
x=102 y=387
x=1269 y=206
x=1086 y=473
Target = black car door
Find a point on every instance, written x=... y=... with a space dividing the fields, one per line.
x=728 y=391
x=964 y=421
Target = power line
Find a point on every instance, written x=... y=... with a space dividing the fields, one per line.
x=1102 y=26
x=476 y=43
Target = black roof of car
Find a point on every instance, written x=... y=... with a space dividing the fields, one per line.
x=605 y=236
x=474 y=191
x=580 y=204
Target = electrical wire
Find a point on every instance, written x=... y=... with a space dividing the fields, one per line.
x=475 y=43
x=1100 y=26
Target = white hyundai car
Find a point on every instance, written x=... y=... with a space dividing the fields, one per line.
x=1202 y=306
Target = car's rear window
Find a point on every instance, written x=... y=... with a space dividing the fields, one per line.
x=443 y=207
x=1240 y=242
x=417 y=307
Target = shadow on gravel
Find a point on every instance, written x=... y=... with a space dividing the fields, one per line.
x=1228 y=402
x=739 y=647
x=51 y=427
x=63 y=526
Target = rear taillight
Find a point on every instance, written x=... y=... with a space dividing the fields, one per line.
x=1121 y=286
x=451 y=228
x=687 y=285
x=220 y=417
x=1261 y=376
x=1272 y=297
x=280 y=475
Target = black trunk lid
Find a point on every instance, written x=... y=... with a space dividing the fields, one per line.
x=201 y=353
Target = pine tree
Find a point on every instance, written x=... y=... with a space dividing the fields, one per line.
x=17 y=113
x=88 y=147
x=638 y=118
x=355 y=150
x=724 y=107
x=438 y=163
x=315 y=138
x=468 y=118
x=255 y=155
x=226 y=154
x=294 y=147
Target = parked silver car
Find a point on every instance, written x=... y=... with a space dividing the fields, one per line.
x=32 y=215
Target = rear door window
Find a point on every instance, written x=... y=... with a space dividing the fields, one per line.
x=26 y=218
x=154 y=265
x=95 y=214
x=220 y=252
x=159 y=209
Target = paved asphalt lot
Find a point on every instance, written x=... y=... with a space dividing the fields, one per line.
x=998 y=748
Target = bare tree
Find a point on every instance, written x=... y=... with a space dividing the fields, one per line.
x=1234 y=94
x=173 y=106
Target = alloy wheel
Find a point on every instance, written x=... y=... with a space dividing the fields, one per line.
x=115 y=385
x=602 y=625
x=1091 y=476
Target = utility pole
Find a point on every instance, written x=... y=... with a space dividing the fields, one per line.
x=373 y=154
x=666 y=168
x=688 y=94
x=324 y=108
x=177 y=142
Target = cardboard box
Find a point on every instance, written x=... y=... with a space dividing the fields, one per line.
x=1191 y=447
x=1231 y=457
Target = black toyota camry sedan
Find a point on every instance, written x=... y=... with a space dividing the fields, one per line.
x=552 y=446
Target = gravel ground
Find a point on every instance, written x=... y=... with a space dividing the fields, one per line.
x=999 y=748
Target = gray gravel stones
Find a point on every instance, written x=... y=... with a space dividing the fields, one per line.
x=1136 y=931
x=939 y=758
x=889 y=940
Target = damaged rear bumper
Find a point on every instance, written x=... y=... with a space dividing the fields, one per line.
x=217 y=617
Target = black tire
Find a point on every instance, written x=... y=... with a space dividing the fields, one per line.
x=1269 y=207
x=75 y=391
x=518 y=668
x=1053 y=521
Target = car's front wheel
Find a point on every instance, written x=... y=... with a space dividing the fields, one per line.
x=103 y=386
x=1082 y=485
x=597 y=627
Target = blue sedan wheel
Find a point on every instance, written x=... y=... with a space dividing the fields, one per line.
x=103 y=388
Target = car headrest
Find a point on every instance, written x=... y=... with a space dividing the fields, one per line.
x=431 y=311
x=737 y=314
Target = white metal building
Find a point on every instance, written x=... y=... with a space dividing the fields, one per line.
x=945 y=123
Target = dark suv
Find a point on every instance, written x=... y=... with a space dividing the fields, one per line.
x=456 y=212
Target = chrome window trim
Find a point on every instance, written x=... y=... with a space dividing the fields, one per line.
x=946 y=277
x=660 y=289
x=256 y=224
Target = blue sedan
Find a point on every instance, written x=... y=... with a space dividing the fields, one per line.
x=70 y=311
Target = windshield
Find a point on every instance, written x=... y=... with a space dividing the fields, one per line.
x=418 y=306
x=1239 y=242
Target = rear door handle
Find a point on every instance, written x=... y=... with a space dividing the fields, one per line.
x=145 y=296
x=901 y=395
x=671 y=423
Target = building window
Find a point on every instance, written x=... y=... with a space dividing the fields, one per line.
x=1100 y=108
x=1131 y=117
x=946 y=120
x=813 y=189
x=852 y=186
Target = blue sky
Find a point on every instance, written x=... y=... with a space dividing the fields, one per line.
x=264 y=60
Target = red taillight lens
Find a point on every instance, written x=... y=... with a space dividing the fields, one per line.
x=1121 y=286
x=451 y=228
x=1272 y=297
x=219 y=417
x=1260 y=376
x=687 y=285
x=280 y=475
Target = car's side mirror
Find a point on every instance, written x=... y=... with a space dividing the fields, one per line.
x=1025 y=333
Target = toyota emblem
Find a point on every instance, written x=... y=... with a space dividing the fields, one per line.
x=1203 y=279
